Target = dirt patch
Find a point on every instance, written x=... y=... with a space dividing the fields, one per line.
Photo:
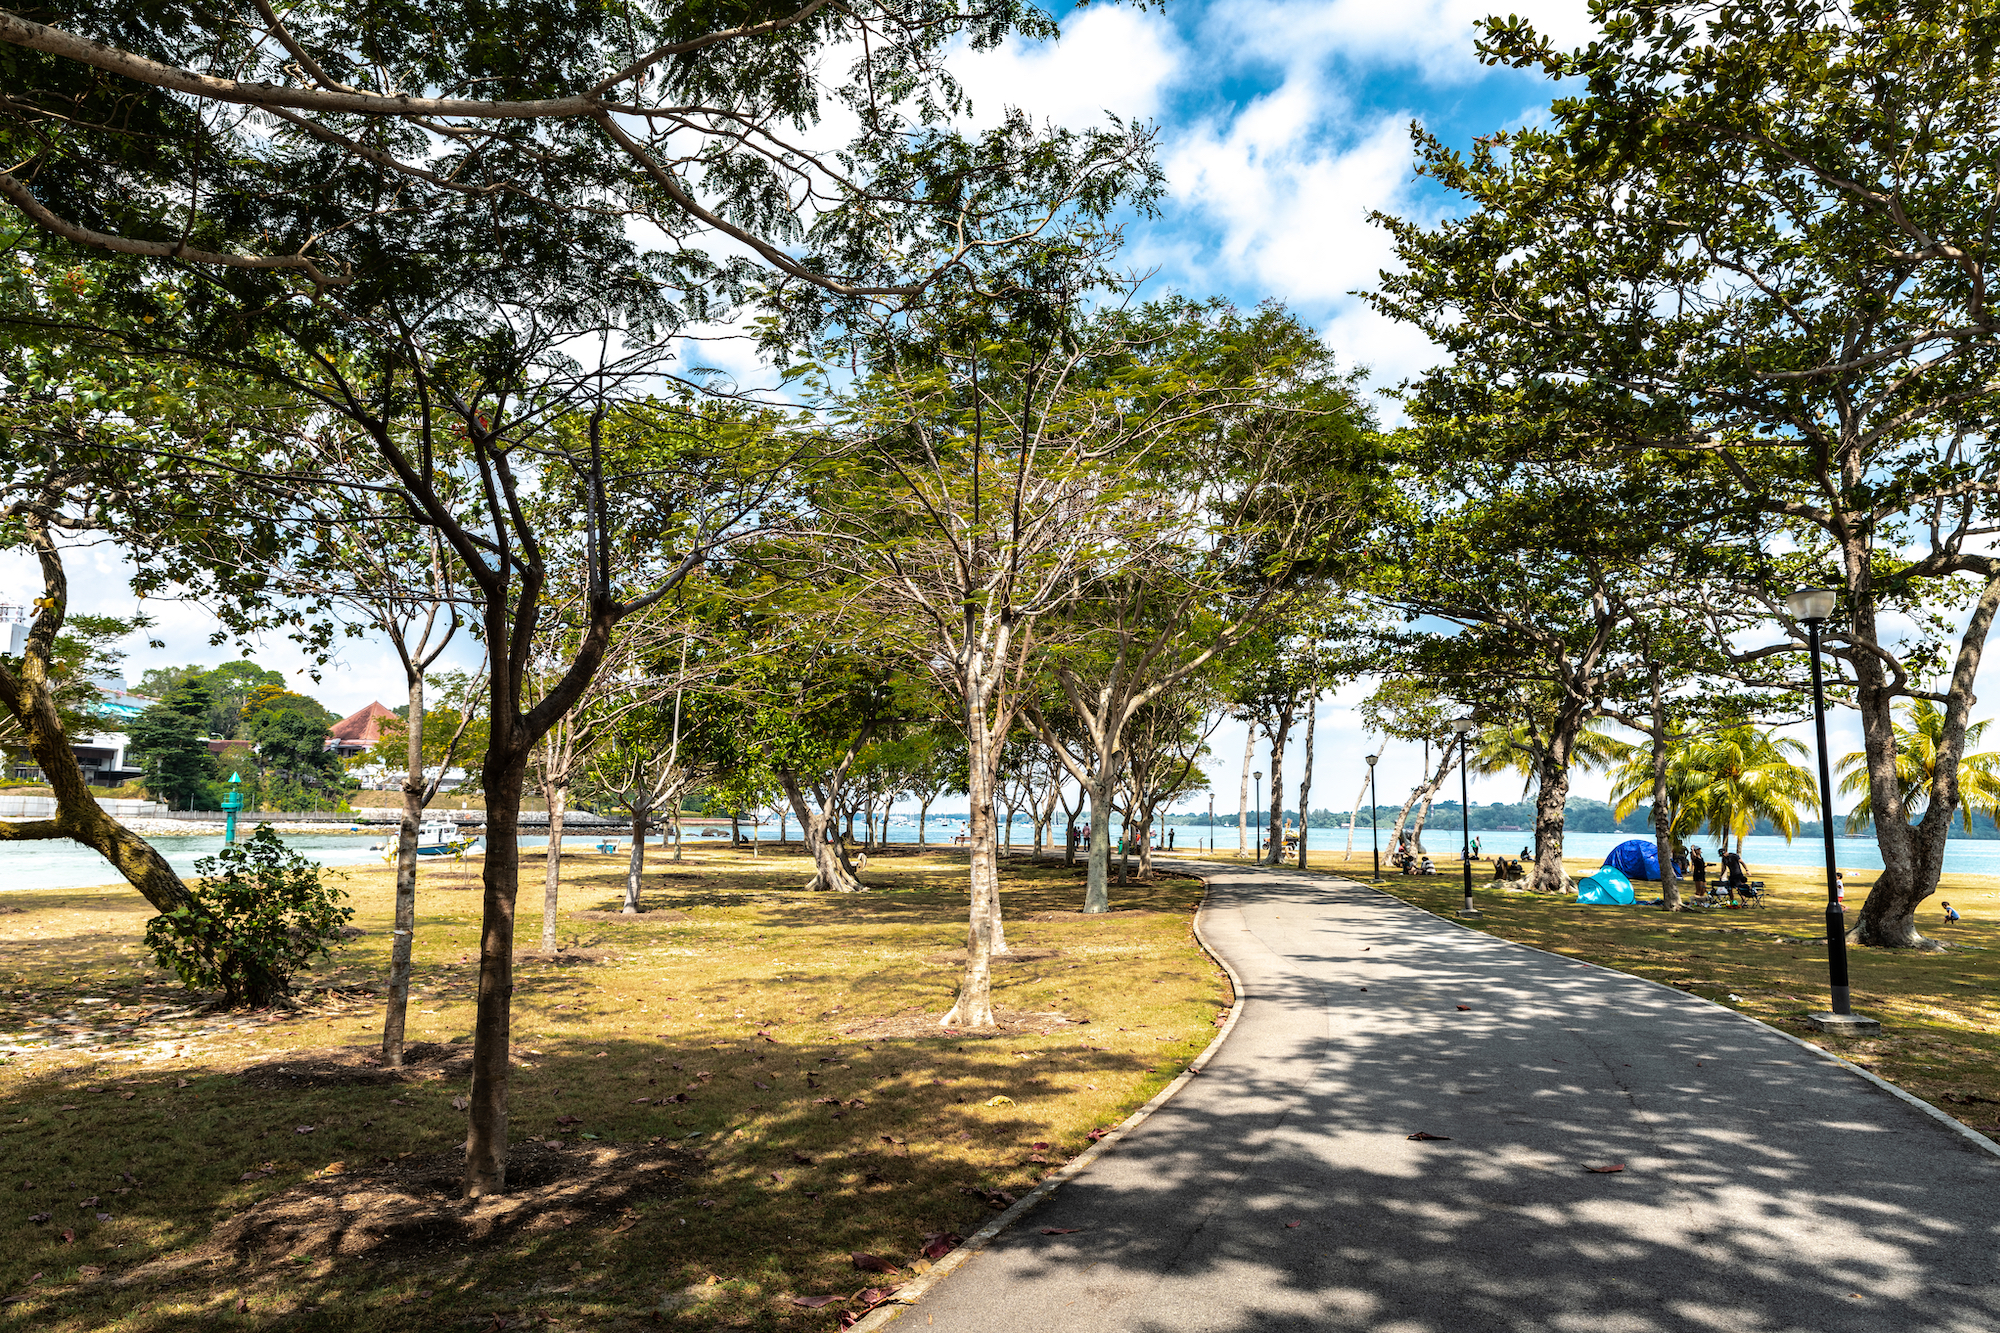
x=957 y=956
x=1115 y=914
x=917 y=1024
x=653 y=917
x=564 y=958
x=360 y=1066
x=413 y=1206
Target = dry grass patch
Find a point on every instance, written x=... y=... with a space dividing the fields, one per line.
x=773 y=1053
x=1941 y=1021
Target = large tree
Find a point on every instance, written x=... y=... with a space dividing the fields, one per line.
x=478 y=284
x=1756 y=239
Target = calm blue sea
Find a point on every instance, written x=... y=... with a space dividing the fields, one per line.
x=64 y=865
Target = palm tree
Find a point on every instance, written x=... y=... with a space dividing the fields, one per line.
x=1632 y=785
x=1916 y=768
x=1740 y=775
x=1502 y=749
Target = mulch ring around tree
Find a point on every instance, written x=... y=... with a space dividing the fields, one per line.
x=416 y=1206
x=360 y=1066
x=956 y=957
x=914 y=1024
x=653 y=916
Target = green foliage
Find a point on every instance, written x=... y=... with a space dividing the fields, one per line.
x=170 y=739
x=258 y=914
x=1919 y=731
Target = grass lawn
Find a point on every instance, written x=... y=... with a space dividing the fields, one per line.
x=815 y=1122
x=1941 y=1023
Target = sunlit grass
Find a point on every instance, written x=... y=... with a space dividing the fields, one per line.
x=673 y=1003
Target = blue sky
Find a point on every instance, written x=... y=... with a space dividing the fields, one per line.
x=1282 y=124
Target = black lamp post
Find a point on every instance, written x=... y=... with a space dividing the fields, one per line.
x=1374 y=837
x=1464 y=727
x=1259 y=807
x=1811 y=607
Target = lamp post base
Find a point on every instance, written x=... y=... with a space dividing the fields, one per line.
x=1844 y=1025
x=1465 y=912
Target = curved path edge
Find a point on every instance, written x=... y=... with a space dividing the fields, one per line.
x=1974 y=1136
x=912 y=1291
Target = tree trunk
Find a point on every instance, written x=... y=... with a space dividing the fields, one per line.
x=923 y=820
x=1243 y=788
x=558 y=797
x=829 y=867
x=1355 y=819
x=1912 y=855
x=1278 y=732
x=26 y=692
x=1306 y=782
x=402 y=940
x=1430 y=789
x=1551 y=796
x=1663 y=818
x=1146 y=847
x=1097 y=874
x=486 y=1131
x=974 y=1007
x=635 y=869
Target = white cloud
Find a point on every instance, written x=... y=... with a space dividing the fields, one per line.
x=1109 y=59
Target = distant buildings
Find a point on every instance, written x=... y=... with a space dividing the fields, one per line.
x=103 y=756
x=358 y=731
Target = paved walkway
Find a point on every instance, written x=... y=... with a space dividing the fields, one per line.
x=1764 y=1190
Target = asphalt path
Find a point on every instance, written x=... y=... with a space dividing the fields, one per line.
x=1764 y=1190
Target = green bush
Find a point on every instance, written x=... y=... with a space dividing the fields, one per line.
x=258 y=914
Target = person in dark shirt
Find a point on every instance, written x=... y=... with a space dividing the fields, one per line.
x=1698 y=865
x=1734 y=877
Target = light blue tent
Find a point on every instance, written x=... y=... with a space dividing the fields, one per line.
x=1607 y=888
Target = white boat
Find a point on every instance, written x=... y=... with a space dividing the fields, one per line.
x=435 y=837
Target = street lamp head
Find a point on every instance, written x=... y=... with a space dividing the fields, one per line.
x=1258 y=776
x=1810 y=604
x=1372 y=758
x=1465 y=726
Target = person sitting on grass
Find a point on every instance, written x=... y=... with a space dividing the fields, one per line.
x=1950 y=913
x=1499 y=868
x=1426 y=868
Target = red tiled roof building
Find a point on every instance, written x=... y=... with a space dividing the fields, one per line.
x=357 y=731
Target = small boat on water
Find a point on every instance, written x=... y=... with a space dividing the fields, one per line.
x=435 y=837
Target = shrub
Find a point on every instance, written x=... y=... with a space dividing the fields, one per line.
x=258 y=914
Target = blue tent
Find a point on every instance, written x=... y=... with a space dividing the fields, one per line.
x=1607 y=888
x=1637 y=857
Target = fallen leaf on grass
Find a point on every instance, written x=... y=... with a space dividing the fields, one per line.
x=39 y=1217
x=181 y=1083
x=816 y=1302
x=460 y=1103
x=569 y=1120
x=1002 y=1100
x=91 y=1202
x=870 y=1263
x=1060 y=1231
x=104 y=1217
x=802 y=1159
x=1421 y=1137
x=642 y=1101
x=937 y=1244
x=874 y=1295
x=1097 y=1134
x=1606 y=1170
x=552 y=1143
x=69 y=1237
x=305 y=1129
